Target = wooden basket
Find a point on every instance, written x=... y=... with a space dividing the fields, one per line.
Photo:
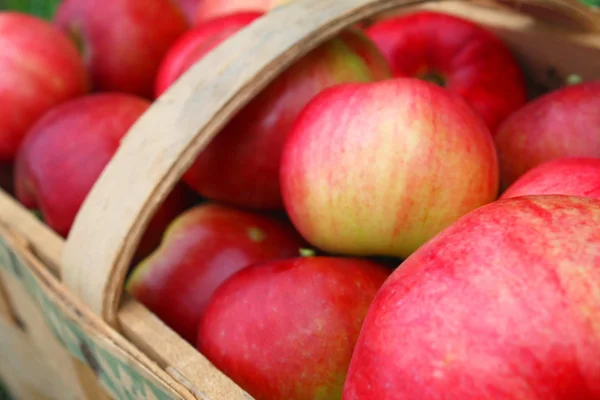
x=67 y=331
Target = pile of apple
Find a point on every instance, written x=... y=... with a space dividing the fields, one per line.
x=393 y=217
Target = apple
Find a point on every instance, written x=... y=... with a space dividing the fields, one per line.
x=286 y=329
x=458 y=54
x=66 y=150
x=122 y=41
x=196 y=43
x=562 y=123
x=189 y=8
x=504 y=304
x=377 y=169
x=576 y=176
x=200 y=250
x=247 y=151
x=209 y=9
x=40 y=69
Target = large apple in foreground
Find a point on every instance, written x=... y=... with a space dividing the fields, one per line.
x=66 y=150
x=286 y=329
x=247 y=152
x=380 y=168
x=562 y=123
x=577 y=176
x=122 y=41
x=39 y=68
x=461 y=55
x=504 y=304
x=201 y=249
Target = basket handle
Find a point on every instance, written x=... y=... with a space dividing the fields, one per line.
x=164 y=142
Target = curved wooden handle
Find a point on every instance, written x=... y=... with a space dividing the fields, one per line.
x=164 y=142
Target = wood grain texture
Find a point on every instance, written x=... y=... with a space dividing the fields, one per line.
x=173 y=358
x=65 y=381
x=179 y=358
x=46 y=345
x=46 y=244
x=6 y=313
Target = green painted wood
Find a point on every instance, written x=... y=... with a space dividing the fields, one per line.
x=123 y=380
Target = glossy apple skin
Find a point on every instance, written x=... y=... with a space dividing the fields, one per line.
x=247 y=151
x=209 y=9
x=201 y=249
x=576 y=176
x=562 y=123
x=471 y=61
x=286 y=329
x=376 y=169
x=122 y=41
x=64 y=153
x=504 y=304
x=196 y=43
x=40 y=69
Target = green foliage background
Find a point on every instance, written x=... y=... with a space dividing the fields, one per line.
x=41 y=8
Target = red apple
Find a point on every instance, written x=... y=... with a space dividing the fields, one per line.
x=122 y=41
x=464 y=57
x=209 y=9
x=196 y=43
x=378 y=169
x=247 y=151
x=189 y=8
x=67 y=149
x=40 y=68
x=562 y=123
x=504 y=304
x=286 y=329
x=576 y=176
x=201 y=249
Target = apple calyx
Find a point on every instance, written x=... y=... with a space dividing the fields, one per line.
x=306 y=252
x=433 y=77
x=256 y=234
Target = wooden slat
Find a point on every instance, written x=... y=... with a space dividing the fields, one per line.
x=49 y=353
x=6 y=313
x=173 y=360
x=190 y=368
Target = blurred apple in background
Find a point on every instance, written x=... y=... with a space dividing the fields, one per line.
x=122 y=41
x=458 y=54
x=504 y=304
x=190 y=9
x=378 y=168
x=201 y=249
x=562 y=123
x=39 y=68
x=65 y=152
x=286 y=329
x=247 y=152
